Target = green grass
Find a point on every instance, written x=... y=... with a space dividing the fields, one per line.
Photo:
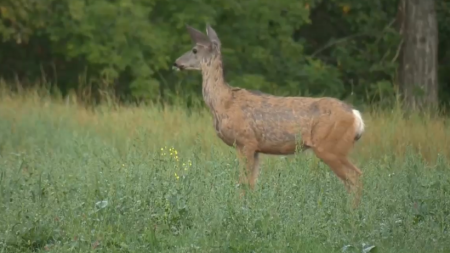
x=72 y=180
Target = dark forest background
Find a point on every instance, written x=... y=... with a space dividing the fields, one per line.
x=366 y=52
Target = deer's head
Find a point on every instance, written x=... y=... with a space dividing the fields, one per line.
x=205 y=48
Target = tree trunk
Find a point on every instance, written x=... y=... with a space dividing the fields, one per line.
x=418 y=58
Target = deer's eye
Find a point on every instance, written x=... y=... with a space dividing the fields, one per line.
x=194 y=51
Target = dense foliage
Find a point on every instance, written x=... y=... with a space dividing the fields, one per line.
x=306 y=47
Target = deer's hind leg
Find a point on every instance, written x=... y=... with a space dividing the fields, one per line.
x=337 y=165
x=332 y=145
x=355 y=179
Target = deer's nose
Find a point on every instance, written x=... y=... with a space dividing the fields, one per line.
x=176 y=66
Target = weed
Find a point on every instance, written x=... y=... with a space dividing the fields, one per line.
x=76 y=180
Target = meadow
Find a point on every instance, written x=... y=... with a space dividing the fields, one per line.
x=157 y=179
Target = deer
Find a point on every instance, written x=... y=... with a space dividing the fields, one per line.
x=258 y=123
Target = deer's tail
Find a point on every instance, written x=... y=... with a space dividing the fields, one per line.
x=359 y=124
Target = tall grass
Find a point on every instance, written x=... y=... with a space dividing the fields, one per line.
x=82 y=180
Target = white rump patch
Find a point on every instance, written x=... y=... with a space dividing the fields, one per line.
x=359 y=123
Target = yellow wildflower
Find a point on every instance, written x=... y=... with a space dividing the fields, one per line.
x=346 y=9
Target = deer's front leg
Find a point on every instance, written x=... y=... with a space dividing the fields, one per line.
x=254 y=170
x=248 y=160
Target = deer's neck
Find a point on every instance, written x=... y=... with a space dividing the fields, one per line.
x=215 y=90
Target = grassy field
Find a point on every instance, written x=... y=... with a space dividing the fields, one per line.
x=147 y=179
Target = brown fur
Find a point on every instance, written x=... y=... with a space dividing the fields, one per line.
x=261 y=123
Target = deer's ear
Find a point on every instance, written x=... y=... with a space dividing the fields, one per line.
x=198 y=37
x=212 y=35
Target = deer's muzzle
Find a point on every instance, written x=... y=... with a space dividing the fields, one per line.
x=177 y=67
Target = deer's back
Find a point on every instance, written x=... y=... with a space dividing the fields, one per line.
x=277 y=111
x=275 y=123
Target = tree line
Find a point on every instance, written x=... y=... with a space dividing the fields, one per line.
x=366 y=52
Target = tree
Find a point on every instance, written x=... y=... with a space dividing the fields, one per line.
x=418 y=58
